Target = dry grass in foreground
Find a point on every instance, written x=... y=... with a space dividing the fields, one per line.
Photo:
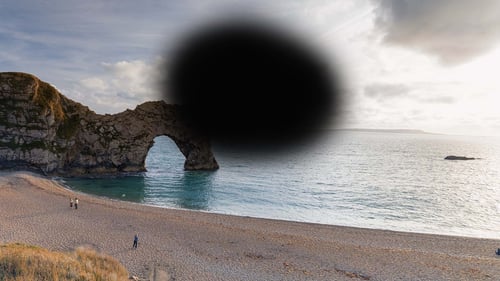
x=21 y=262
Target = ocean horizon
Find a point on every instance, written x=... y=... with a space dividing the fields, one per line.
x=381 y=180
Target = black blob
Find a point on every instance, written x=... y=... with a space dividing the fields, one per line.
x=249 y=86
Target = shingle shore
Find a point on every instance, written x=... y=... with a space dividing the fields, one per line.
x=189 y=245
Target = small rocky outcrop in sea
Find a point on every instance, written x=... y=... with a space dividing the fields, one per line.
x=453 y=157
x=43 y=130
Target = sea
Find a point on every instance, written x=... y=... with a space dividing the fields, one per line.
x=378 y=180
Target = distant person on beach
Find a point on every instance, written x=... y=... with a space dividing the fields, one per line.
x=71 y=202
x=136 y=239
x=76 y=203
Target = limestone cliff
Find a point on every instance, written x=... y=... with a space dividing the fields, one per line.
x=42 y=129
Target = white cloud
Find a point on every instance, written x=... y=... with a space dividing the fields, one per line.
x=94 y=83
x=122 y=85
x=132 y=77
x=389 y=51
x=385 y=91
x=453 y=30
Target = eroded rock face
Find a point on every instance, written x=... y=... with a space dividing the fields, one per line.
x=43 y=130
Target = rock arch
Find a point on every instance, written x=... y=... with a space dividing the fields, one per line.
x=42 y=129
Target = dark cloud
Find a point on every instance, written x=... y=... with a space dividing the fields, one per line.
x=382 y=92
x=453 y=30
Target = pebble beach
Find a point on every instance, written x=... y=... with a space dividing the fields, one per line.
x=190 y=245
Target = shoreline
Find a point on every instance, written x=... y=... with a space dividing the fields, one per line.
x=271 y=219
x=178 y=244
x=60 y=181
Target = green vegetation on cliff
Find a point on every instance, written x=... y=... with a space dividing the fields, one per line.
x=44 y=94
x=43 y=129
x=23 y=262
x=48 y=97
x=69 y=127
x=19 y=80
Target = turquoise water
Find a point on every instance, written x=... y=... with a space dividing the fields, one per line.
x=375 y=180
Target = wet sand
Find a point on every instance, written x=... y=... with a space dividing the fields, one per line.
x=189 y=245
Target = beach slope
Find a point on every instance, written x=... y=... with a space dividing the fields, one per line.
x=188 y=245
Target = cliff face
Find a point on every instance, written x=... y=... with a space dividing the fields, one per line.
x=43 y=130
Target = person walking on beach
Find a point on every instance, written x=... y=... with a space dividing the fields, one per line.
x=76 y=203
x=136 y=239
x=71 y=202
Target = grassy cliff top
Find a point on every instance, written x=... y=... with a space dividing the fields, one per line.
x=23 y=262
x=43 y=94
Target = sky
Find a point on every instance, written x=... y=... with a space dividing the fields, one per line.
x=406 y=64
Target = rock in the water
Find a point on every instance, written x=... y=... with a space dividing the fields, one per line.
x=453 y=157
x=43 y=130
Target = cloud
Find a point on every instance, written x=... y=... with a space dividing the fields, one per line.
x=425 y=93
x=442 y=99
x=122 y=85
x=381 y=92
x=455 y=31
x=136 y=78
x=94 y=83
